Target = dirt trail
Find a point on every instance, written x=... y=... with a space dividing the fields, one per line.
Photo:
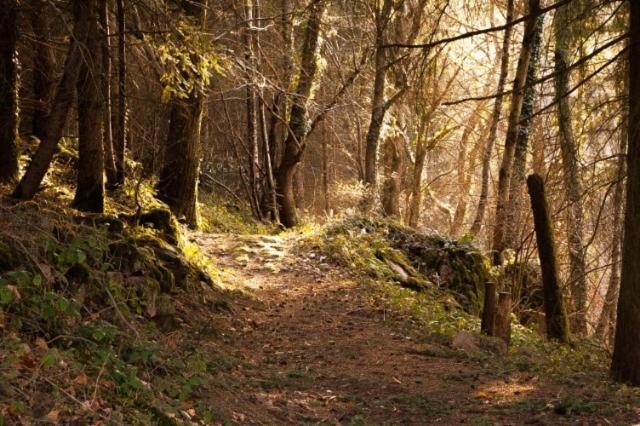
x=313 y=346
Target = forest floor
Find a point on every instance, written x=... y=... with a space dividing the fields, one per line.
x=310 y=343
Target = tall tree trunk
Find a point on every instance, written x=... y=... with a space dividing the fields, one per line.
x=252 y=107
x=379 y=105
x=28 y=186
x=178 y=182
x=495 y=120
x=298 y=121
x=107 y=129
x=416 y=180
x=517 y=188
x=572 y=184
x=8 y=91
x=506 y=167
x=43 y=67
x=555 y=313
x=626 y=352
x=90 y=189
x=120 y=122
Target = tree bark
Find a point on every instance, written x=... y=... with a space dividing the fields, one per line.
x=493 y=129
x=90 y=188
x=506 y=167
x=43 y=67
x=178 y=181
x=8 y=91
x=120 y=122
x=513 y=130
x=107 y=129
x=379 y=105
x=555 y=314
x=28 y=185
x=626 y=352
x=517 y=187
x=392 y=160
x=572 y=184
x=298 y=122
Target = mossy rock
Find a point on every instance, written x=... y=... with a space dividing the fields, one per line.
x=163 y=221
x=7 y=258
x=455 y=266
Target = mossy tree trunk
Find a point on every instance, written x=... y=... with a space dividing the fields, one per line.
x=517 y=187
x=178 y=182
x=626 y=352
x=555 y=313
x=28 y=185
x=8 y=91
x=90 y=187
x=563 y=22
x=294 y=145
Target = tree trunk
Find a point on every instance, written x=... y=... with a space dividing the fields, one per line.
x=555 y=314
x=43 y=67
x=8 y=91
x=107 y=129
x=178 y=182
x=90 y=189
x=120 y=122
x=298 y=121
x=506 y=167
x=57 y=119
x=252 y=107
x=607 y=319
x=572 y=184
x=416 y=180
x=503 y=215
x=626 y=352
x=378 y=104
x=516 y=192
x=497 y=110
x=392 y=187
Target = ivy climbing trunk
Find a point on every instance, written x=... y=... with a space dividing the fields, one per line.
x=89 y=195
x=569 y=150
x=8 y=91
x=28 y=185
x=295 y=143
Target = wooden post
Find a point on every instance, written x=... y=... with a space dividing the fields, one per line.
x=489 y=312
x=555 y=313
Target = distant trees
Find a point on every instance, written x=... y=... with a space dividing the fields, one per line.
x=8 y=90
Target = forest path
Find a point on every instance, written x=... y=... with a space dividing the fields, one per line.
x=313 y=346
